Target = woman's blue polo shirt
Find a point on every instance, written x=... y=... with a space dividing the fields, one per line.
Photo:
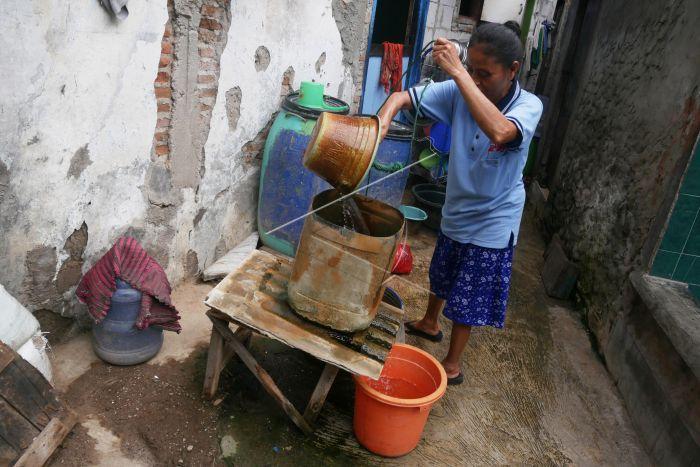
x=485 y=190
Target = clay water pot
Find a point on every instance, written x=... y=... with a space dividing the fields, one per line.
x=342 y=149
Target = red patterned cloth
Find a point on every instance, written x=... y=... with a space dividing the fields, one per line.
x=392 y=67
x=128 y=261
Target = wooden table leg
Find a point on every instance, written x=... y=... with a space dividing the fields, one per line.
x=318 y=398
x=263 y=376
x=219 y=355
x=215 y=361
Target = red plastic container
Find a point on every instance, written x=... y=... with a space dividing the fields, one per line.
x=391 y=412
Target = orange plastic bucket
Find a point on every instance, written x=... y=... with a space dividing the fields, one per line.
x=390 y=413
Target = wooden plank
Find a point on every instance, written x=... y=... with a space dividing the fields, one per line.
x=7 y=453
x=6 y=356
x=48 y=440
x=232 y=299
x=318 y=398
x=243 y=334
x=14 y=428
x=293 y=334
x=21 y=394
x=215 y=363
x=44 y=389
x=262 y=376
x=276 y=253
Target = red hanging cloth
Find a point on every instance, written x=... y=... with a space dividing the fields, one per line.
x=392 y=67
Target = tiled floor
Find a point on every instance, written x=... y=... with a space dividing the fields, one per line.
x=678 y=257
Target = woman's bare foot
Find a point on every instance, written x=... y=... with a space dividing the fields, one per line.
x=429 y=328
x=451 y=369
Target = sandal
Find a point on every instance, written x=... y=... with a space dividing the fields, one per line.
x=410 y=329
x=455 y=380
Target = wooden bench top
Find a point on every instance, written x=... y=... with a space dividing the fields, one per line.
x=255 y=295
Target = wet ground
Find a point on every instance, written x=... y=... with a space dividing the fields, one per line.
x=535 y=393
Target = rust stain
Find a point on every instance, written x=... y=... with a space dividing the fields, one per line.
x=338 y=275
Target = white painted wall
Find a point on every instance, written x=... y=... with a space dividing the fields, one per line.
x=439 y=21
x=70 y=77
x=295 y=40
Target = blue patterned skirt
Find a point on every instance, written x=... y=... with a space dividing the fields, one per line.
x=473 y=280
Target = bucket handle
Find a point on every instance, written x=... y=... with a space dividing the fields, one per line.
x=389 y=168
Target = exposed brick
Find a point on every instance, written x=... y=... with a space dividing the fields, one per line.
x=210 y=10
x=166 y=47
x=168 y=30
x=163 y=107
x=162 y=136
x=163 y=77
x=210 y=24
x=209 y=66
x=207 y=52
x=162 y=150
x=204 y=107
x=207 y=36
x=165 y=60
x=208 y=92
x=163 y=92
x=206 y=79
x=163 y=123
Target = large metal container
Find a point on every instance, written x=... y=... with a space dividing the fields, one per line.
x=338 y=274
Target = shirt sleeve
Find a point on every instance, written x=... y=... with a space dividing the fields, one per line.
x=525 y=114
x=434 y=101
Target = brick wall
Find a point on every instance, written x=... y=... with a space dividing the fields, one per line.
x=211 y=34
x=163 y=89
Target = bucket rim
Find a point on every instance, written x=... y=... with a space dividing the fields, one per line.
x=429 y=400
x=322 y=220
x=374 y=151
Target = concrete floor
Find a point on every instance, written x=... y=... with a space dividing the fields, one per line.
x=535 y=392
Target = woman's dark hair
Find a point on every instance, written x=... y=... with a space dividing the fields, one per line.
x=501 y=41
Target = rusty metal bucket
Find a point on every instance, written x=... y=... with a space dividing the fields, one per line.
x=338 y=274
x=342 y=149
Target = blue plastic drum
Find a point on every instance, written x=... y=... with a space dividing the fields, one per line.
x=393 y=155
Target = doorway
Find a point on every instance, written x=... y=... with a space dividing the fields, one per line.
x=400 y=22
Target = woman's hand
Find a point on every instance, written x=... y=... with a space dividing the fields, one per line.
x=446 y=57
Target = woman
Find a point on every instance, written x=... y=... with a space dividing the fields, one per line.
x=492 y=122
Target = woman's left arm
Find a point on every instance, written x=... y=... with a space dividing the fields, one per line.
x=492 y=122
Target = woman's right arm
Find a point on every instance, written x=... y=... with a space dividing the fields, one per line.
x=396 y=102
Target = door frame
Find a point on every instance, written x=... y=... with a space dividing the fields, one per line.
x=420 y=11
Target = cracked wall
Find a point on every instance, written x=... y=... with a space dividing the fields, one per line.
x=76 y=126
x=152 y=127
x=232 y=156
x=635 y=121
x=352 y=18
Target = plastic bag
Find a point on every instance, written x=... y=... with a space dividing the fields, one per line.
x=403 y=259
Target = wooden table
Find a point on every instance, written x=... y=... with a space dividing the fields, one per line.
x=253 y=297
